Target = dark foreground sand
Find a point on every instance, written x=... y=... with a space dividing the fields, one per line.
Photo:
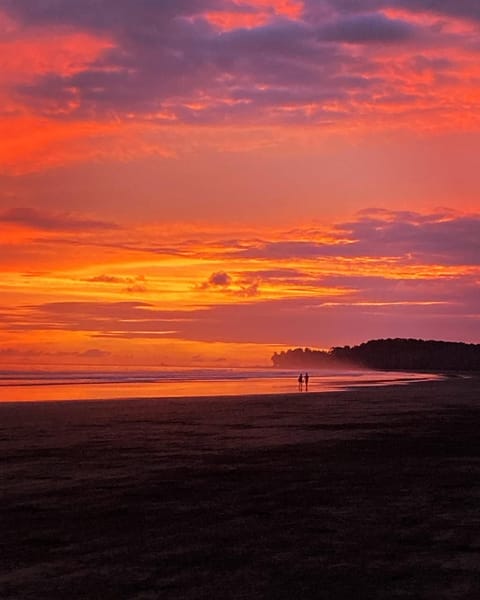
x=373 y=493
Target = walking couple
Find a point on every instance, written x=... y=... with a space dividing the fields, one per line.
x=301 y=380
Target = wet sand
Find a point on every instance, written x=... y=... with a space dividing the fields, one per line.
x=371 y=493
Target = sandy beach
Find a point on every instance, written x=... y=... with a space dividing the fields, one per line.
x=370 y=493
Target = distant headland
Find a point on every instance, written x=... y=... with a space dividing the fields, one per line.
x=389 y=354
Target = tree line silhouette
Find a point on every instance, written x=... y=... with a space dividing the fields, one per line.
x=398 y=353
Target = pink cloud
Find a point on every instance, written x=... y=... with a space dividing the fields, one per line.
x=293 y=65
x=48 y=221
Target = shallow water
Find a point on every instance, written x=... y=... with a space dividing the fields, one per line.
x=97 y=384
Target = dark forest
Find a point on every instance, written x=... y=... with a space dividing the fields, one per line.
x=387 y=354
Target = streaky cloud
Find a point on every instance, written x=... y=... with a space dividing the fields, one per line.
x=48 y=221
x=370 y=28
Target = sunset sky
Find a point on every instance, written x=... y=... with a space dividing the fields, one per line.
x=205 y=182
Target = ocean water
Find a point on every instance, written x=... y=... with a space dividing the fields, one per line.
x=62 y=385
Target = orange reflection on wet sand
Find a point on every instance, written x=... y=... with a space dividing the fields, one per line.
x=203 y=388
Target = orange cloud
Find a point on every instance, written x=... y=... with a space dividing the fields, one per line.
x=256 y=13
x=139 y=290
x=227 y=21
x=291 y=9
x=41 y=52
x=436 y=21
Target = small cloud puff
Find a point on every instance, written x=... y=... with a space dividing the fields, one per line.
x=219 y=279
x=222 y=280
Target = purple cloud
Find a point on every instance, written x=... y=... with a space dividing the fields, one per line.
x=320 y=9
x=429 y=239
x=369 y=28
x=454 y=290
x=133 y=284
x=94 y=353
x=468 y=9
x=407 y=236
x=36 y=219
x=220 y=279
x=322 y=323
x=97 y=319
x=244 y=288
x=169 y=62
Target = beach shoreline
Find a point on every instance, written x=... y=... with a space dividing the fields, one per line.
x=66 y=386
x=368 y=493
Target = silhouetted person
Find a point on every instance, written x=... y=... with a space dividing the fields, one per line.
x=300 y=382
x=306 y=381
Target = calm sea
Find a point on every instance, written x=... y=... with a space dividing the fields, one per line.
x=46 y=385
